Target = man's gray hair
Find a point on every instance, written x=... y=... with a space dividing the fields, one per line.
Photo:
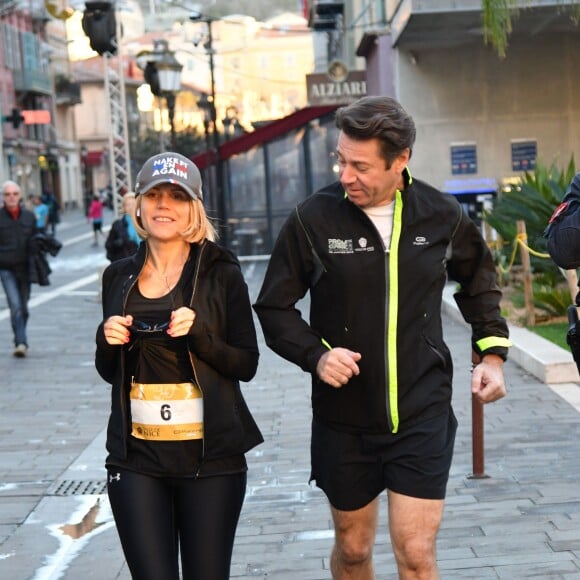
x=10 y=183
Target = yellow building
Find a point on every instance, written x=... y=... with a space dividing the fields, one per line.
x=263 y=67
x=259 y=67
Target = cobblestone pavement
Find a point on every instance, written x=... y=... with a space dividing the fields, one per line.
x=522 y=521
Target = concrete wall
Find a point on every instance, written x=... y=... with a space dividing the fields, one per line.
x=469 y=94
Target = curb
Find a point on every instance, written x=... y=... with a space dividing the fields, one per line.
x=541 y=358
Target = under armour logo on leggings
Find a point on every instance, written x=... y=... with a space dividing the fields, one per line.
x=116 y=477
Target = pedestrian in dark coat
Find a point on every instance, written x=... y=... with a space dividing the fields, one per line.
x=123 y=239
x=17 y=226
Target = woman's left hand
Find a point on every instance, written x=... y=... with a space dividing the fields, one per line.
x=182 y=320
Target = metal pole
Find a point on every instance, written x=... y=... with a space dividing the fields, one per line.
x=477 y=446
x=119 y=155
x=221 y=205
x=4 y=169
x=268 y=183
x=111 y=131
x=170 y=97
x=211 y=198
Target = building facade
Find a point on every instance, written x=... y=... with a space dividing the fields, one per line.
x=40 y=151
x=479 y=117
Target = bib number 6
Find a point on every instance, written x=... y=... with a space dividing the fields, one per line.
x=165 y=412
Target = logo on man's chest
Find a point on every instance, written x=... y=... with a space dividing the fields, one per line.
x=420 y=241
x=338 y=246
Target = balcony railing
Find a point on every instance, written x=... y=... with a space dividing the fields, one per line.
x=66 y=91
x=32 y=82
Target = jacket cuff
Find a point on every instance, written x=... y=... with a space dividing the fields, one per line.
x=492 y=345
x=314 y=357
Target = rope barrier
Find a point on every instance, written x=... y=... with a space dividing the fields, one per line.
x=520 y=240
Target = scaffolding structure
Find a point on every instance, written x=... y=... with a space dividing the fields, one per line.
x=119 y=158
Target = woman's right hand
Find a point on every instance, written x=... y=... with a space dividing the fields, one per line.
x=116 y=329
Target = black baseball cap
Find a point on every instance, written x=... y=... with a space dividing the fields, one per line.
x=170 y=167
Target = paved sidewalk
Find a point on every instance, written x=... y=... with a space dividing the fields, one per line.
x=523 y=521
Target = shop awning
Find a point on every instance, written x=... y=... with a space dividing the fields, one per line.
x=264 y=134
x=94 y=158
x=471 y=187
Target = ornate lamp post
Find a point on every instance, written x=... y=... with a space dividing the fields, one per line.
x=169 y=72
x=196 y=16
x=163 y=74
x=203 y=103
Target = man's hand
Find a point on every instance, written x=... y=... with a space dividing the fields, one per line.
x=337 y=366
x=487 y=380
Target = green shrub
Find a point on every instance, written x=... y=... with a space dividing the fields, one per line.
x=533 y=201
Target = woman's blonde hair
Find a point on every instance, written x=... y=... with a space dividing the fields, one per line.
x=129 y=195
x=199 y=227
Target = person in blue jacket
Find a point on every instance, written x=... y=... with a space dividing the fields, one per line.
x=176 y=339
x=374 y=251
x=40 y=210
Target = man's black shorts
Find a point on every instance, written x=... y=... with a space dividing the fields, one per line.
x=353 y=469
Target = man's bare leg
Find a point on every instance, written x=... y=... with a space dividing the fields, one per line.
x=413 y=525
x=355 y=532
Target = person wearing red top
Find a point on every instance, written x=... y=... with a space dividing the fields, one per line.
x=17 y=226
x=95 y=214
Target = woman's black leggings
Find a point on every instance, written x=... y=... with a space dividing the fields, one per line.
x=158 y=518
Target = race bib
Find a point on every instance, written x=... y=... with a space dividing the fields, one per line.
x=166 y=412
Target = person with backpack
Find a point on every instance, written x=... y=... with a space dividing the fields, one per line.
x=123 y=239
x=563 y=231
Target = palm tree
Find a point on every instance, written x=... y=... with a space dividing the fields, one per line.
x=497 y=21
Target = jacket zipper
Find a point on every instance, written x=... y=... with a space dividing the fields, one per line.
x=195 y=377
x=122 y=386
x=392 y=318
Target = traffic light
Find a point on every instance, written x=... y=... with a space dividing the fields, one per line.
x=324 y=14
x=100 y=25
x=15 y=118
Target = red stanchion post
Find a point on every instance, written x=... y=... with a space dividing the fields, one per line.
x=477 y=433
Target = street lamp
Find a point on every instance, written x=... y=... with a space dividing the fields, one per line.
x=203 y=103
x=196 y=16
x=85 y=180
x=169 y=73
x=231 y=122
x=162 y=72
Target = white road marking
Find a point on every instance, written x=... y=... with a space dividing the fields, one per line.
x=56 y=293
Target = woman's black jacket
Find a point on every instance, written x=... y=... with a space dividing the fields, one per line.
x=222 y=347
x=15 y=235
